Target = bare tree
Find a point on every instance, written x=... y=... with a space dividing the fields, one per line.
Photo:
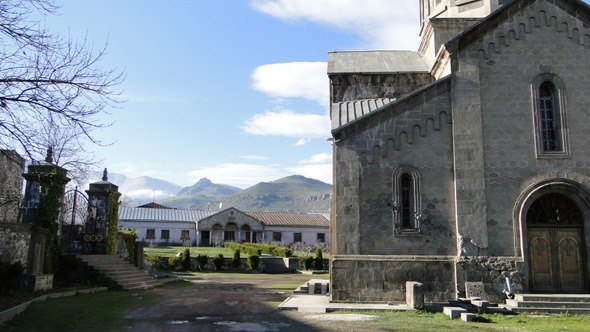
x=51 y=88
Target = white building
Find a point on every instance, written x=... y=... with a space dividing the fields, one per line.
x=204 y=228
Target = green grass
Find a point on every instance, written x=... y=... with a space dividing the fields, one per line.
x=423 y=321
x=209 y=251
x=100 y=311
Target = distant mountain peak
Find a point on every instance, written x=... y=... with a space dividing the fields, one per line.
x=205 y=187
x=203 y=182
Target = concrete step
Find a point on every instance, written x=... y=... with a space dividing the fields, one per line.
x=550 y=303
x=543 y=304
x=121 y=272
x=553 y=297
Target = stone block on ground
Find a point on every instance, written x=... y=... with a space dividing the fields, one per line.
x=453 y=312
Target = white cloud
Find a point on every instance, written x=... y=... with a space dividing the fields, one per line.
x=308 y=80
x=245 y=175
x=318 y=158
x=254 y=157
x=288 y=123
x=378 y=22
x=302 y=141
x=152 y=194
x=322 y=172
x=240 y=175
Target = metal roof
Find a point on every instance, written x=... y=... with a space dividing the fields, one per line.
x=348 y=111
x=290 y=219
x=163 y=215
x=377 y=62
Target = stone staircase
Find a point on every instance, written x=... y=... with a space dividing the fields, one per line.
x=272 y=264
x=314 y=287
x=550 y=303
x=124 y=274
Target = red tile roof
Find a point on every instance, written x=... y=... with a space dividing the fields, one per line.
x=290 y=219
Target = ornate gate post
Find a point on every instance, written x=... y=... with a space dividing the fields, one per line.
x=44 y=193
x=100 y=234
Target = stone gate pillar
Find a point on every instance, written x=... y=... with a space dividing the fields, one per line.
x=100 y=234
x=44 y=193
x=45 y=181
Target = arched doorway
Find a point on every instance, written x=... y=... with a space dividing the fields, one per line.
x=556 y=249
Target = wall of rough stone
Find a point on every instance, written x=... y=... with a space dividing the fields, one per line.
x=414 y=133
x=11 y=184
x=14 y=242
x=369 y=278
x=492 y=272
x=511 y=164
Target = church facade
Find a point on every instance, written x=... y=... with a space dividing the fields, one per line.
x=467 y=160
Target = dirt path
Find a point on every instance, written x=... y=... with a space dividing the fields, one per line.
x=233 y=303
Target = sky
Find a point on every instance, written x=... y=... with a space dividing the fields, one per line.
x=235 y=91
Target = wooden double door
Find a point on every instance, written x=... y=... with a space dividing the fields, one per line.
x=556 y=246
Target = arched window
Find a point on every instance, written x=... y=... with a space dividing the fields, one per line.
x=406 y=201
x=548 y=117
x=549 y=114
x=406 y=205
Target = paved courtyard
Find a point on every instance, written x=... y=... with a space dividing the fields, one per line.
x=243 y=303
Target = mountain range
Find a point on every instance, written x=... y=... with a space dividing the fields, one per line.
x=289 y=194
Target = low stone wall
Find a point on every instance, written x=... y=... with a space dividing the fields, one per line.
x=14 y=242
x=374 y=278
x=491 y=272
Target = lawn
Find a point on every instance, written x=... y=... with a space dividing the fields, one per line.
x=209 y=251
x=100 y=311
x=105 y=311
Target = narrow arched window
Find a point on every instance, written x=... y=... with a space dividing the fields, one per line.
x=406 y=201
x=551 y=135
x=549 y=118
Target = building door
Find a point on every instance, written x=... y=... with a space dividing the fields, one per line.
x=556 y=245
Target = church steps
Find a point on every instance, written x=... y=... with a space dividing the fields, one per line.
x=125 y=275
x=550 y=303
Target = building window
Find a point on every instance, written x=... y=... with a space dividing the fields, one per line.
x=185 y=234
x=150 y=234
x=297 y=237
x=229 y=236
x=321 y=237
x=549 y=117
x=165 y=234
x=406 y=201
x=277 y=236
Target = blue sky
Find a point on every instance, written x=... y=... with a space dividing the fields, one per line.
x=235 y=90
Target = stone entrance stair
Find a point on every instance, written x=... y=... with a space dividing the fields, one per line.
x=123 y=273
x=272 y=264
x=314 y=287
x=550 y=303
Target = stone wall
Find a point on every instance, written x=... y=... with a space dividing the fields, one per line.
x=369 y=278
x=11 y=184
x=491 y=272
x=14 y=242
x=507 y=73
x=419 y=135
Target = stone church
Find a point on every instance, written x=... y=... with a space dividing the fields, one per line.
x=468 y=160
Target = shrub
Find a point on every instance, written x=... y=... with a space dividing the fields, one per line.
x=153 y=260
x=11 y=274
x=218 y=262
x=173 y=262
x=202 y=260
x=306 y=261
x=252 y=262
x=236 y=262
x=186 y=260
x=129 y=238
x=319 y=259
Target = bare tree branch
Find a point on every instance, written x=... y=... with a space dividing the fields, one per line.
x=51 y=89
